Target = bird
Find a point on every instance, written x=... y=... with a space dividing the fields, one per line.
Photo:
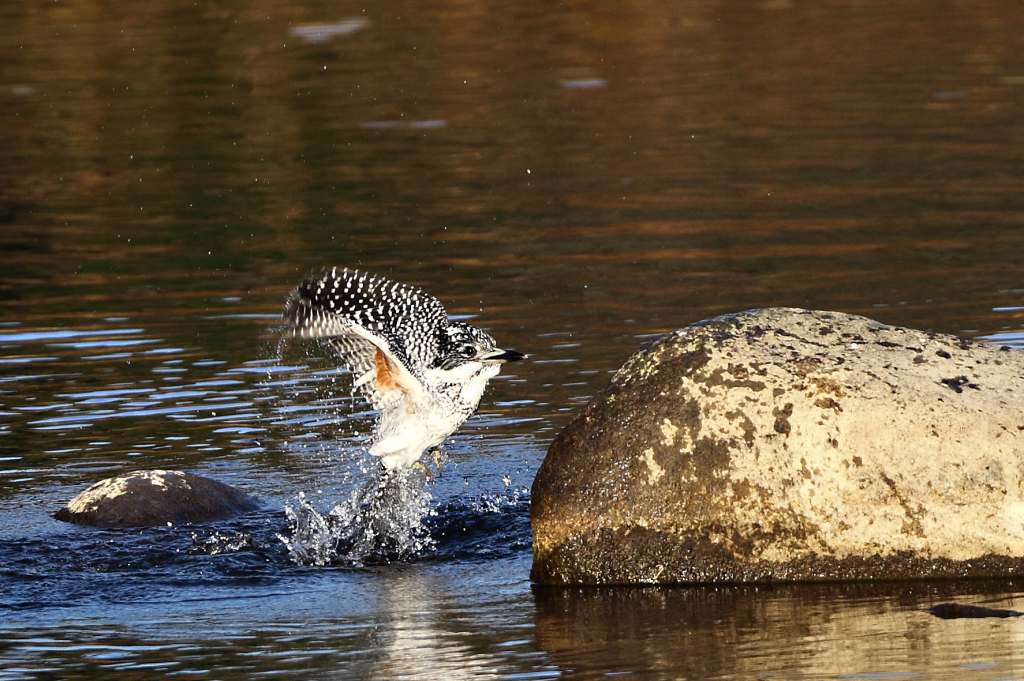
x=424 y=373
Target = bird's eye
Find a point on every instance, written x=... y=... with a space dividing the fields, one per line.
x=467 y=351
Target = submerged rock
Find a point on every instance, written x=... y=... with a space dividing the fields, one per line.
x=955 y=611
x=790 y=445
x=155 y=498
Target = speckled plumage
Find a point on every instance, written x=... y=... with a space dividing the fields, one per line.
x=424 y=373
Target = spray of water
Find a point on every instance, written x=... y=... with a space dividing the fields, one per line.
x=383 y=514
x=381 y=521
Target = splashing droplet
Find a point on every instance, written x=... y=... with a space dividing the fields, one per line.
x=380 y=522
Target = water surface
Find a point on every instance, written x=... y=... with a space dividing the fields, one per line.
x=576 y=179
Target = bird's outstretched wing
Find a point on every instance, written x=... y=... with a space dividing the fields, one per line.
x=384 y=331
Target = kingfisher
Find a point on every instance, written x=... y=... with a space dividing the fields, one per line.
x=424 y=373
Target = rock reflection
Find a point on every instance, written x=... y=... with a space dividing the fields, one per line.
x=851 y=630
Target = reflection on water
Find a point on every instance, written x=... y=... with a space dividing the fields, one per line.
x=433 y=622
x=856 y=631
x=427 y=640
x=322 y=33
x=577 y=179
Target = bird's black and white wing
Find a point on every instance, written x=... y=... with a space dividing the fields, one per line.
x=384 y=331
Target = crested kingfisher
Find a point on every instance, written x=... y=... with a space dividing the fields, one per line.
x=424 y=373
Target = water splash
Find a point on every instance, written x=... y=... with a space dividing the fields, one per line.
x=498 y=503
x=383 y=517
x=221 y=542
x=384 y=520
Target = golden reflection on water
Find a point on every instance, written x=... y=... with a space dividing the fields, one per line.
x=794 y=632
x=838 y=156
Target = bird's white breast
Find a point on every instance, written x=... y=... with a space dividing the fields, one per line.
x=451 y=395
x=465 y=383
x=473 y=388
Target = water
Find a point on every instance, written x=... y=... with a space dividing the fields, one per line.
x=574 y=178
x=383 y=519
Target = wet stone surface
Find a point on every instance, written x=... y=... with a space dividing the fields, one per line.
x=790 y=445
x=158 y=497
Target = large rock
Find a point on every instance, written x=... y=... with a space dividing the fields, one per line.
x=155 y=498
x=785 y=444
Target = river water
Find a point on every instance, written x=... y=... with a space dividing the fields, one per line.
x=576 y=178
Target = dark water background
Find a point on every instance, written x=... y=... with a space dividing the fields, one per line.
x=578 y=176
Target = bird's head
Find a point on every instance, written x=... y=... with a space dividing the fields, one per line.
x=461 y=345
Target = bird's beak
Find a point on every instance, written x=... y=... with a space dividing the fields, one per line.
x=499 y=355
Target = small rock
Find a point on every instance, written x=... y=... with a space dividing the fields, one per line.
x=158 y=497
x=761 y=446
x=954 y=611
